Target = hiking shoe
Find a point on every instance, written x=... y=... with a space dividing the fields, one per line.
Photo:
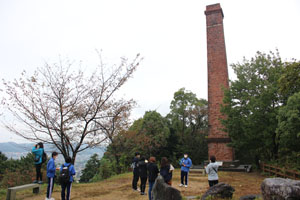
x=40 y=182
x=138 y=190
x=35 y=181
x=185 y=186
x=142 y=193
x=180 y=185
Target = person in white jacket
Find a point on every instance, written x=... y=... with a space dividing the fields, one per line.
x=212 y=171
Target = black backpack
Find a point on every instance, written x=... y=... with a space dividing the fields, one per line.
x=64 y=176
x=44 y=157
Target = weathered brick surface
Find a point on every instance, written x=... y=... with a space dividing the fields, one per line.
x=217 y=80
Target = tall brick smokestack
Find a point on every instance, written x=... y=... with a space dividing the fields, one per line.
x=217 y=80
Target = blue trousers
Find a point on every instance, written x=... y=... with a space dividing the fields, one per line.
x=50 y=187
x=184 y=176
x=67 y=186
x=150 y=189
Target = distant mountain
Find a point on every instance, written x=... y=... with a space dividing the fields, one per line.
x=12 y=147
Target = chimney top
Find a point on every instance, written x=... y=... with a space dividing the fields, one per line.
x=214 y=8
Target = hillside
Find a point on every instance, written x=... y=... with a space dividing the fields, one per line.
x=119 y=187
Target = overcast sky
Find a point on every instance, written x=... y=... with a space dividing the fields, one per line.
x=169 y=34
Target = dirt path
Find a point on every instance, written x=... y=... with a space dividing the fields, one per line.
x=119 y=188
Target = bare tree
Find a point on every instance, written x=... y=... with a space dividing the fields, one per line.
x=67 y=108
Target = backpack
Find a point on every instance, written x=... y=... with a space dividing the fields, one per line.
x=44 y=157
x=64 y=176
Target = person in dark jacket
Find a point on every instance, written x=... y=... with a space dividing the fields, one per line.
x=51 y=169
x=38 y=151
x=166 y=170
x=143 y=174
x=68 y=185
x=135 y=166
x=152 y=174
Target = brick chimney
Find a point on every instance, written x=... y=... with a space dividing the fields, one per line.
x=217 y=79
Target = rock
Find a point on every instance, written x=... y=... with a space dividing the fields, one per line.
x=163 y=191
x=250 y=197
x=222 y=190
x=280 y=189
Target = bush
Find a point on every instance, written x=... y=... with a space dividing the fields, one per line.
x=106 y=170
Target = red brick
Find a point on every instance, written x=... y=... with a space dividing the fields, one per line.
x=217 y=80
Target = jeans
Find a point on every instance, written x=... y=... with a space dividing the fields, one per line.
x=212 y=183
x=143 y=184
x=150 y=189
x=67 y=186
x=135 y=179
x=38 y=172
x=184 y=175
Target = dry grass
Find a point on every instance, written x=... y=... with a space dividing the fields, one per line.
x=119 y=187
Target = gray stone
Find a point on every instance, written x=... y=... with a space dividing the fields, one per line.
x=163 y=191
x=250 y=197
x=280 y=189
x=222 y=190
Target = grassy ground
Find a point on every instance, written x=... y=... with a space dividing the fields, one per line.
x=119 y=187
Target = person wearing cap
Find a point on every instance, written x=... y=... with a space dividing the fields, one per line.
x=185 y=164
x=135 y=166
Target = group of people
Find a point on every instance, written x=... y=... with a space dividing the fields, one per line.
x=66 y=172
x=144 y=169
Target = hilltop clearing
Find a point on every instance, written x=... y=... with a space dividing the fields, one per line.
x=119 y=187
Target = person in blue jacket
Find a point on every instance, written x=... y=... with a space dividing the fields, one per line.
x=185 y=164
x=67 y=185
x=38 y=151
x=51 y=169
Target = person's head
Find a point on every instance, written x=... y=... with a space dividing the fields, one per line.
x=185 y=155
x=152 y=159
x=68 y=159
x=137 y=154
x=54 y=155
x=212 y=159
x=40 y=145
x=164 y=162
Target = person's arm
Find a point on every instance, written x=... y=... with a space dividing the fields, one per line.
x=189 y=163
x=207 y=169
x=73 y=172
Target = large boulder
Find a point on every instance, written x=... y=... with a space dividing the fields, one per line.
x=222 y=190
x=162 y=191
x=280 y=189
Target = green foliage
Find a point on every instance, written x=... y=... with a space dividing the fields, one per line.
x=91 y=168
x=290 y=80
x=106 y=170
x=251 y=105
x=18 y=172
x=189 y=126
x=289 y=129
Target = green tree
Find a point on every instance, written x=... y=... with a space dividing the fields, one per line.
x=91 y=168
x=289 y=81
x=289 y=129
x=251 y=105
x=189 y=126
